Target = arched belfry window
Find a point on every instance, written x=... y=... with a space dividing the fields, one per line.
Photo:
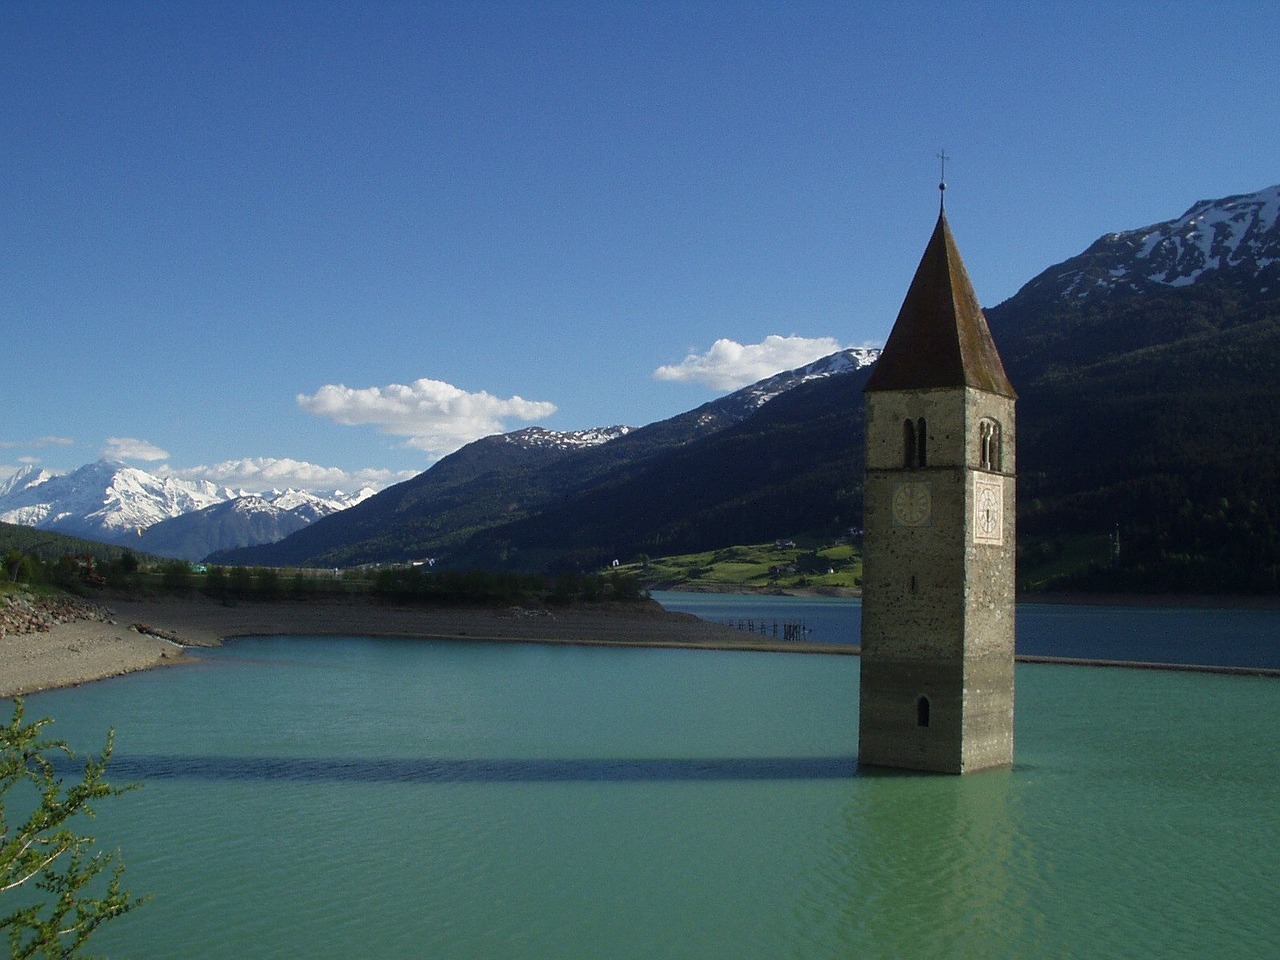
x=989 y=452
x=922 y=712
x=921 y=432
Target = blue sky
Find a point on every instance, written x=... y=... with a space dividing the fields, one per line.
x=319 y=245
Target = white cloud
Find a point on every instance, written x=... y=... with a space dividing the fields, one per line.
x=436 y=417
x=265 y=473
x=729 y=365
x=131 y=448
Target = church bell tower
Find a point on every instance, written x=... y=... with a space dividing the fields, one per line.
x=938 y=582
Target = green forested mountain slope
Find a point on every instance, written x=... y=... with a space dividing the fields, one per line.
x=1169 y=446
x=1148 y=372
x=793 y=467
x=446 y=511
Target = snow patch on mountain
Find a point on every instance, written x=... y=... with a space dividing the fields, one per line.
x=541 y=438
x=28 y=476
x=845 y=361
x=1237 y=232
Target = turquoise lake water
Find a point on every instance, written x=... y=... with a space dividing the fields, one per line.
x=328 y=798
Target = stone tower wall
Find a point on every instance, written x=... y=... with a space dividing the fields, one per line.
x=938 y=598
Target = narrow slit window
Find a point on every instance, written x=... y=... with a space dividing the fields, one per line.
x=921 y=434
x=922 y=712
x=908 y=443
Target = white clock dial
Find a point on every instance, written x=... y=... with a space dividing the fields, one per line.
x=988 y=510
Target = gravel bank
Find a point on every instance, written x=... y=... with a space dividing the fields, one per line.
x=93 y=641
x=60 y=641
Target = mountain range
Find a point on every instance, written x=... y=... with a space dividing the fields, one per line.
x=168 y=516
x=454 y=510
x=1148 y=371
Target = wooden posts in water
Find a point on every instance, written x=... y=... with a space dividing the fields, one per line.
x=791 y=630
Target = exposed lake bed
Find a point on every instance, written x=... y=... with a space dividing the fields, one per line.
x=134 y=634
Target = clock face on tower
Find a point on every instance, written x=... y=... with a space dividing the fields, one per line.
x=912 y=504
x=988 y=510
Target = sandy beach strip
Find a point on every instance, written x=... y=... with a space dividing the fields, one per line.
x=150 y=633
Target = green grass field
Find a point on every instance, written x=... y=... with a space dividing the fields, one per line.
x=760 y=566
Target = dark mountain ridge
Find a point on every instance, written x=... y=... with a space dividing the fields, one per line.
x=1148 y=371
x=1149 y=374
x=446 y=510
x=792 y=466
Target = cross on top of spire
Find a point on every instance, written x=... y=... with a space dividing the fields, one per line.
x=942 y=181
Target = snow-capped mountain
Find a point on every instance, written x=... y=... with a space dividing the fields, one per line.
x=104 y=500
x=845 y=361
x=117 y=503
x=745 y=401
x=716 y=414
x=313 y=506
x=28 y=476
x=1237 y=237
x=1214 y=269
x=242 y=522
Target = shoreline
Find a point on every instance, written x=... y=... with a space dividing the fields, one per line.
x=145 y=634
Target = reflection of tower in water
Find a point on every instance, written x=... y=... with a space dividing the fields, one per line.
x=921 y=867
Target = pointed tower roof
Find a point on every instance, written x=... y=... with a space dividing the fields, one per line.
x=940 y=338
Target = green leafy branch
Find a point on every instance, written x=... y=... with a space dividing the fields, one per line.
x=43 y=851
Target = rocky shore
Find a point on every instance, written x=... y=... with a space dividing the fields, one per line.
x=58 y=643
x=22 y=613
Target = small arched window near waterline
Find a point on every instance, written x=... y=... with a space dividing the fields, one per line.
x=922 y=712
